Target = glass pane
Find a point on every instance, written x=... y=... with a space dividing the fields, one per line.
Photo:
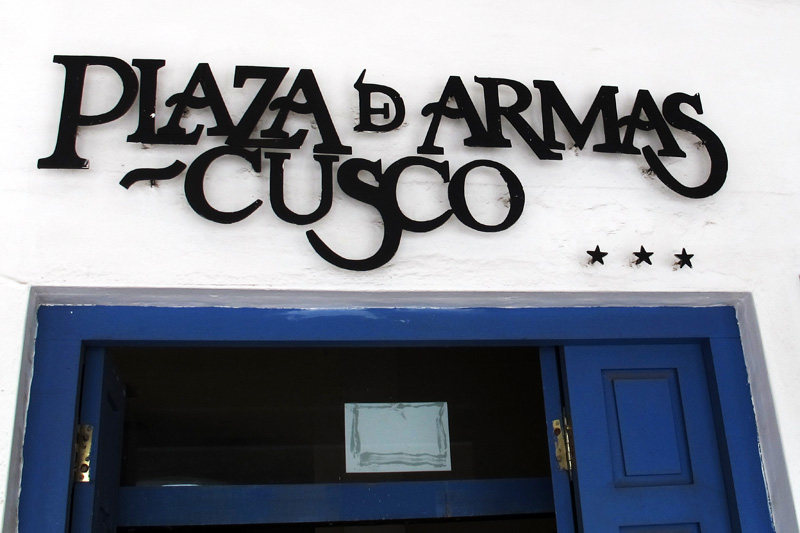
x=276 y=415
x=396 y=437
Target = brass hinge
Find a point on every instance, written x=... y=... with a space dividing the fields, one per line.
x=562 y=440
x=83 y=450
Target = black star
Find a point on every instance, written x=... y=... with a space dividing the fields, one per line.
x=643 y=255
x=597 y=255
x=684 y=258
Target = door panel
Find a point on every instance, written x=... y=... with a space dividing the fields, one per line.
x=560 y=478
x=646 y=451
x=94 y=503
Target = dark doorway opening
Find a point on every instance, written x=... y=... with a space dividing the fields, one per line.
x=275 y=416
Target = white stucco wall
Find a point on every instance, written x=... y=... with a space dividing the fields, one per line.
x=80 y=228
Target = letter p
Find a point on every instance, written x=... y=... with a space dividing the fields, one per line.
x=65 y=155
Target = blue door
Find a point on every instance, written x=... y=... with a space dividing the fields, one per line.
x=102 y=408
x=645 y=444
x=664 y=430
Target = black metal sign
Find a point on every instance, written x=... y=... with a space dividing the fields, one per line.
x=304 y=97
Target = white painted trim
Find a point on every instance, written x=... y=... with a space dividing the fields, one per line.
x=173 y=297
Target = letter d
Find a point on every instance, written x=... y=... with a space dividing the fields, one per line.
x=366 y=111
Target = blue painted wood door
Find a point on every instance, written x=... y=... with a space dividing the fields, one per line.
x=102 y=406
x=645 y=444
x=560 y=478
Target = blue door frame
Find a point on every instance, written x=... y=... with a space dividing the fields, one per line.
x=66 y=332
